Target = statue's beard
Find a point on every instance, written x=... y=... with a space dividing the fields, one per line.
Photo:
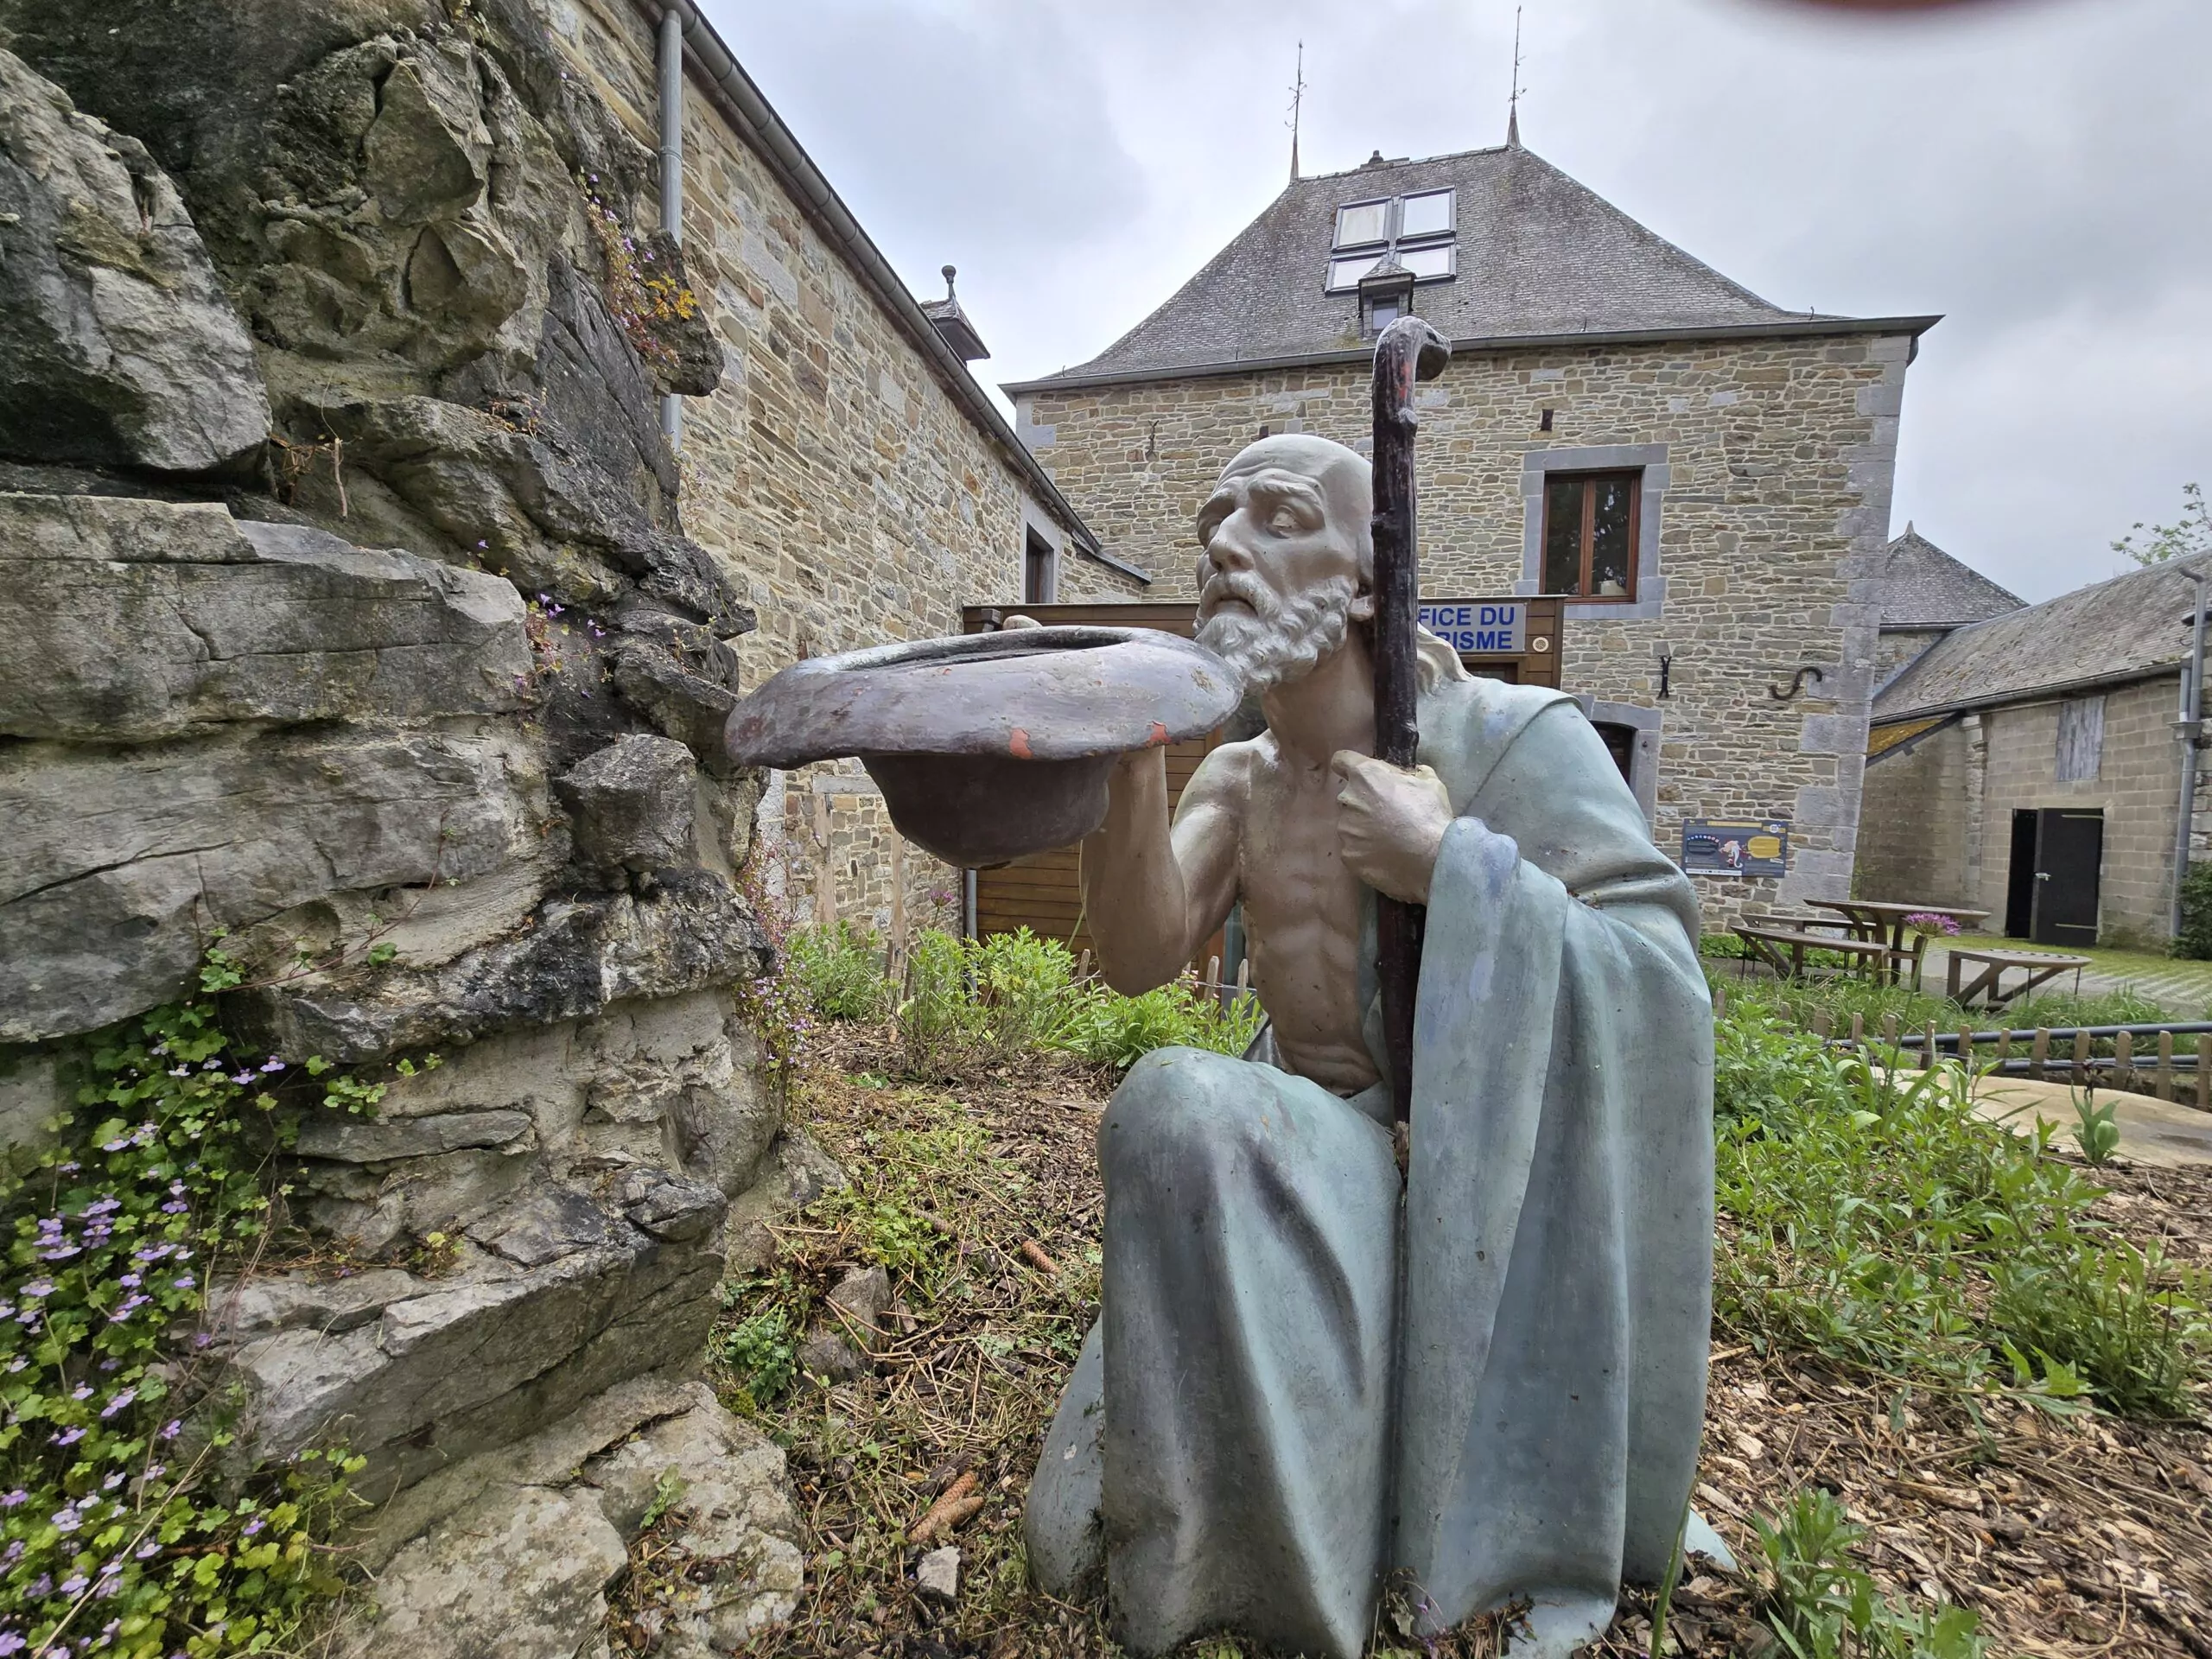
x=1279 y=639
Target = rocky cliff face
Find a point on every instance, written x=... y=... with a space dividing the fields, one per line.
x=354 y=618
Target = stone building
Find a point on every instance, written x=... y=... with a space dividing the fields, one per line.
x=1705 y=475
x=848 y=470
x=2027 y=765
x=1922 y=593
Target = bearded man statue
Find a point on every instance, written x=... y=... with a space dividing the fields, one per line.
x=1311 y=1374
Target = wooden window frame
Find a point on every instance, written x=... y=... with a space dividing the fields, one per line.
x=1581 y=594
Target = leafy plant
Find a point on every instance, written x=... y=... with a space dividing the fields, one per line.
x=2195 y=938
x=2096 y=1130
x=668 y=1492
x=840 y=968
x=1820 y=1603
x=1872 y=1217
x=762 y=1352
x=111 y=1532
x=2127 y=1321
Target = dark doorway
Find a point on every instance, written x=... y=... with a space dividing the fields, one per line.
x=2020 y=880
x=1037 y=572
x=1620 y=743
x=2070 y=850
x=2051 y=894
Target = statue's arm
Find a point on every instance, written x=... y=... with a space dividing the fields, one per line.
x=1153 y=889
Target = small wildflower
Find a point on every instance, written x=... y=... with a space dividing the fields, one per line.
x=75 y=1584
x=184 y=1281
x=147 y=1551
x=66 y=1519
x=116 y=1144
x=174 y=1427
x=272 y=1064
x=242 y=1078
x=176 y=1207
x=10 y=1643
x=112 y=1481
x=180 y=1071
x=18 y=1363
x=82 y=1391
x=38 y=1288
x=253 y=1526
x=130 y=1281
x=118 y=1402
x=68 y=1437
x=10 y=1500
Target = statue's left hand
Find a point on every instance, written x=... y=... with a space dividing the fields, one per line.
x=1390 y=821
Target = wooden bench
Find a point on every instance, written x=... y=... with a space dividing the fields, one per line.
x=2040 y=967
x=1768 y=945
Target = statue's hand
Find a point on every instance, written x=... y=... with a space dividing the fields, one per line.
x=1390 y=820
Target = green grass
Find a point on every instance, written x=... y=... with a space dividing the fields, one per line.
x=1875 y=1220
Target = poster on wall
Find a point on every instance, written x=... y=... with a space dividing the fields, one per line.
x=1743 y=847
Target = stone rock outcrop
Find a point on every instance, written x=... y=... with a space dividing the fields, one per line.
x=118 y=346
x=368 y=634
x=512 y=1552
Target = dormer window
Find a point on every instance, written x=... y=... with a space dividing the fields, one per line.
x=1418 y=231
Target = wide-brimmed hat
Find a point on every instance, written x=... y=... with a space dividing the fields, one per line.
x=989 y=746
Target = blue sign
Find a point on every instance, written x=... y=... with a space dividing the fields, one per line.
x=1469 y=626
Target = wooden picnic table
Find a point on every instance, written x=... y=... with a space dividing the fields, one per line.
x=2040 y=965
x=1882 y=918
x=1770 y=944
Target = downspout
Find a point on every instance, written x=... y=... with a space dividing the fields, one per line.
x=2190 y=728
x=670 y=66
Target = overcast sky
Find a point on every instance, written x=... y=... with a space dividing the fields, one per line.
x=2040 y=173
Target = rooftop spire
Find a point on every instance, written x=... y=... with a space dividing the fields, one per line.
x=1513 y=98
x=1297 y=101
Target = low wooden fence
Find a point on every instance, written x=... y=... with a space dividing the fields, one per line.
x=2172 y=1059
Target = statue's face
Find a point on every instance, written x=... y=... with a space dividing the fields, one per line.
x=1285 y=533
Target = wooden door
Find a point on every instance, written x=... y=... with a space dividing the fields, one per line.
x=2070 y=853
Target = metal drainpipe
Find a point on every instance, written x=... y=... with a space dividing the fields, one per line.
x=672 y=175
x=2191 y=727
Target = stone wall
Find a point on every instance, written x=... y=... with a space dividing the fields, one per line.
x=371 y=637
x=1767 y=468
x=844 y=489
x=2136 y=787
x=1944 y=805
x=1915 y=841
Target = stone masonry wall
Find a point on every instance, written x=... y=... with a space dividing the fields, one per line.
x=370 y=635
x=833 y=475
x=1773 y=461
x=2136 y=786
x=1915 y=838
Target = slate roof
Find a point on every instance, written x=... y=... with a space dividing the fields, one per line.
x=1918 y=585
x=1539 y=255
x=2129 y=628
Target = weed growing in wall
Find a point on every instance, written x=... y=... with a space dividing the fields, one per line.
x=115 y=1536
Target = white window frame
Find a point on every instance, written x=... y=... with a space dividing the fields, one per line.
x=1394 y=241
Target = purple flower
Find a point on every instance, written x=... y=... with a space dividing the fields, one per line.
x=253 y=1526
x=147 y=1551
x=272 y=1064
x=112 y=1481
x=108 y=1207
x=176 y=1207
x=172 y=1428
x=110 y=1581
x=184 y=1281
x=180 y=1071
x=156 y=1471
x=41 y=1586
x=10 y=1643
x=242 y=1078
x=68 y=1437
x=18 y=1363
x=176 y=1188
x=38 y=1288
x=13 y=1553
x=9 y=1500
x=69 y=1168
x=66 y=1519
x=116 y=1144
x=117 y=1404
x=129 y=1281
x=74 y=1585
x=82 y=1391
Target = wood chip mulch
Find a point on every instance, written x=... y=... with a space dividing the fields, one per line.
x=2073 y=1539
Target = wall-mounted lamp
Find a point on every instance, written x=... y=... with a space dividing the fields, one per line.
x=1806 y=672
x=1666 y=665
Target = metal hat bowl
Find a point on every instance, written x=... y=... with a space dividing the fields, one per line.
x=989 y=746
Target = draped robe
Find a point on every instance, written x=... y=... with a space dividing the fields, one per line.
x=1490 y=1378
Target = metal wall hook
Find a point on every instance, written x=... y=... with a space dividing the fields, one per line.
x=1797 y=682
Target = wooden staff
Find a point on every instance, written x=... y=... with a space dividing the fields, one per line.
x=1410 y=350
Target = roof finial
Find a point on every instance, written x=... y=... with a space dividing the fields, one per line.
x=1513 y=98
x=1297 y=101
x=948 y=272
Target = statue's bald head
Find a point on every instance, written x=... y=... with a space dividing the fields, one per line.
x=1345 y=481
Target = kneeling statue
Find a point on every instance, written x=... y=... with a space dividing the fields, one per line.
x=1482 y=1380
